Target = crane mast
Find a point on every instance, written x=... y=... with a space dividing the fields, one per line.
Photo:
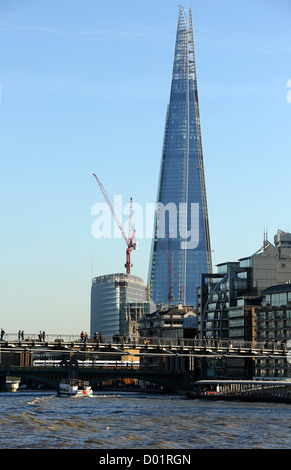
x=129 y=240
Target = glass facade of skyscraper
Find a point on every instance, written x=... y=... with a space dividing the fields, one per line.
x=110 y=296
x=181 y=247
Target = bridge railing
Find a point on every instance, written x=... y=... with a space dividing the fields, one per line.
x=36 y=337
x=138 y=341
x=214 y=344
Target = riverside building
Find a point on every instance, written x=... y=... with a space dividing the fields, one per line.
x=227 y=299
x=181 y=246
x=118 y=301
x=175 y=323
x=273 y=327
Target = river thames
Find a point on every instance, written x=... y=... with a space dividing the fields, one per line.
x=129 y=420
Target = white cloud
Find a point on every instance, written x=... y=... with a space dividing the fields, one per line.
x=41 y=29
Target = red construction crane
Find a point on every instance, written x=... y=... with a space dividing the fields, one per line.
x=129 y=240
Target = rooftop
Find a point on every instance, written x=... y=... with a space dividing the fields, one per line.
x=278 y=289
x=117 y=277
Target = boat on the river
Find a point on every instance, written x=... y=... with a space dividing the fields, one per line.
x=245 y=397
x=266 y=391
x=74 y=387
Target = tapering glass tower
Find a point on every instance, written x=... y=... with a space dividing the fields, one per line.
x=181 y=246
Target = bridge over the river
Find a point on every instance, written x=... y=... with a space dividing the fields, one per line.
x=141 y=359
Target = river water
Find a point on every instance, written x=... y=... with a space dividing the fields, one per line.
x=125 y=420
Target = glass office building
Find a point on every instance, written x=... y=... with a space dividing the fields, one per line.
x=111 y=296
x=181 y=246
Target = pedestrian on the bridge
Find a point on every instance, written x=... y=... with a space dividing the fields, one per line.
x=22 y=335
x=129 y=338
x=40 y=336
x=2 y=334
x=19 y=335
x=82 y=336
x=100 y=337
x=43 y=336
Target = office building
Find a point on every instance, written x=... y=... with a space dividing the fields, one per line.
x=219 y=302
x=181 y=246
x=273 y=327
x=271 y=264
x=227 y=299
x=111 y=299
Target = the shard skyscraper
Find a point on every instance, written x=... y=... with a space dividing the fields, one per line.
x=181 y=249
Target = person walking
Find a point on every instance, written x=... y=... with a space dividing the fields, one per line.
x=100 y=337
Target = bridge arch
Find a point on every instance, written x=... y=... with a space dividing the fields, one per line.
x=169 y=384
x=171 y=381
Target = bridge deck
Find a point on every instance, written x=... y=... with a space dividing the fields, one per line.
x=147 y=346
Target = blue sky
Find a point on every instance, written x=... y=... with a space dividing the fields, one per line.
x=84 y=88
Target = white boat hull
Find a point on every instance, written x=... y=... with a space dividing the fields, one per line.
x=73 y=387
